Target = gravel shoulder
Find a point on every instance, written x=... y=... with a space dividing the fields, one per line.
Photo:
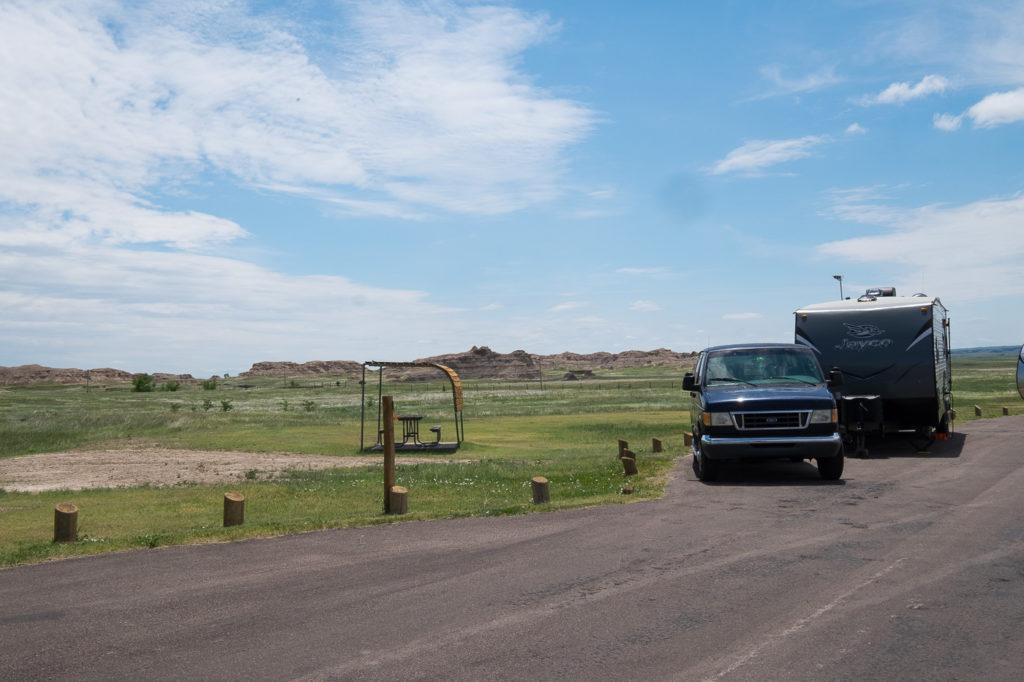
x=78 y=470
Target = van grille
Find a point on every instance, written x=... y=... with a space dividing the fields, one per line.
x=746 y=421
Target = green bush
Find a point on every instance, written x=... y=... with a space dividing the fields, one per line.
x=143 y=383
x=170 y=386
x=210 y=384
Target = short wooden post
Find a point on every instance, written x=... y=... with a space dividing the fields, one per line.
x=623 y=446
x=626 y=489
x=629 y=465
x=399 y=498
x=234 y=509
x=655 y=445
x=977 y=410
x=687 y=439
x=65 y=523
x=389 y=449
x=1006 y=411
x=539 y=486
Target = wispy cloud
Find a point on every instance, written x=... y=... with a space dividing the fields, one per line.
x=822 y=78
x=856 y=129
x=567 y=305
x=112 y=113
x=916 y=239
x=901 y=93
x=759 y=154
x=643 y=271
x=645 y=306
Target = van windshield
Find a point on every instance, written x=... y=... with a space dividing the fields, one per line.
x=759 y=366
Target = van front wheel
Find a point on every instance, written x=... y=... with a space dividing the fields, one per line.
x=830 y=468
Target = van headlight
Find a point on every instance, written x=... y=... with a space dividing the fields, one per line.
x=825 y=416
x=716 y=418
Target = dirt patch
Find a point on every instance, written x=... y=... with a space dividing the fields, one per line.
x=163 y=467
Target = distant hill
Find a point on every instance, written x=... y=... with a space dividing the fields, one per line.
x=987 y=350
x=480 y=362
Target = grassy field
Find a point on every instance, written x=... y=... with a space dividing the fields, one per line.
x=565 y=431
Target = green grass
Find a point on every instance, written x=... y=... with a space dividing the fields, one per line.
x=515 y=430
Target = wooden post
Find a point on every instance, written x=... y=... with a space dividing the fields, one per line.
x=1006 y=411
x=655 y=445
x=234 y=509
x=977 y=410
x=626 y=489
x=389 y=450
x=399 y=500
x=65 y=523
x=623 y=446
x=629 y=465
x=541 y=494
x=687 y=439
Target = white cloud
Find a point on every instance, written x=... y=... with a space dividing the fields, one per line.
x=947 y=122
x=974 y=250
x=567 y=305
x=645 y=306
x=112 y=113
x=426 y=110
x=901 y=93
x=758 y=154
x=998 y=108
x=856 y=129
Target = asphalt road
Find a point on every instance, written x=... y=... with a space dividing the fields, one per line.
x=911 y=568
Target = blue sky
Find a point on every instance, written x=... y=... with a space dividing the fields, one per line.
x=197 y=186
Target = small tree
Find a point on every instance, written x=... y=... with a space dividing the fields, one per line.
x=142 y=383
x=170 y=386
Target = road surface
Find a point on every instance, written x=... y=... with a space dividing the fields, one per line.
x=911 y=567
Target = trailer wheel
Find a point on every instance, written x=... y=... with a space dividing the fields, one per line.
x=830 y=468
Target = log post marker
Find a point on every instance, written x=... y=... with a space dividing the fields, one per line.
x=655 y=445
x=234 y=509
x=539 y=486
x=629 y=464
x=389 y=450
x=65 y=523
x=399 y=500
x=623 y=446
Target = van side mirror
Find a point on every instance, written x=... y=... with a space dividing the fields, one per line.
x=689 y=383
x=835 y=377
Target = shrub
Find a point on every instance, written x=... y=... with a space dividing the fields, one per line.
x=207 y=404
x=170 y=386
x=142 y=383
x=308 y=405
x=225 y=406
x=210 y=384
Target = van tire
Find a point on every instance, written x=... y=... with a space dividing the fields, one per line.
x=830 y=468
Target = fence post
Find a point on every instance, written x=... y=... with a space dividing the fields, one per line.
x=234 y=509
x=399 y=500
x=389 y=449
x=541 y=494
x=655 y=445
x=65 y=523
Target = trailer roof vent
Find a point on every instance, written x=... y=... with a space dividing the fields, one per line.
x=875 y=292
